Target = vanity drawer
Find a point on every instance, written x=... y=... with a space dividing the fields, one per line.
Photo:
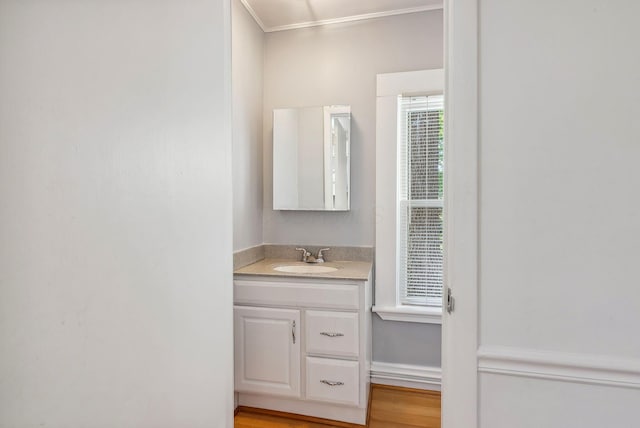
x=333 y=381
x=332 y=333
x=338 y=296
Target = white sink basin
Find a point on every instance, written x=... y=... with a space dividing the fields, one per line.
x=305 y=269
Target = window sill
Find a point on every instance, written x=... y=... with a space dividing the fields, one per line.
x=409 y=314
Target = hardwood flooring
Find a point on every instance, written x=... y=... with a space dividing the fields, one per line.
x=391 y=407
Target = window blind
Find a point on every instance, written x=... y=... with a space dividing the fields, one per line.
x=420 y=202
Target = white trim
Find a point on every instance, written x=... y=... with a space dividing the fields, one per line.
x=425 y=315
x=405 y=375
x=341 y=20
x=389 y=86
x=386 y=277
x=560 y=366
x=253 y=14
x=461 y=213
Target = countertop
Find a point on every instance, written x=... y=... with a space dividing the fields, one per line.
x=346 y=269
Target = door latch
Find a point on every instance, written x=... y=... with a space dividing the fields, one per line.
x=451 y=302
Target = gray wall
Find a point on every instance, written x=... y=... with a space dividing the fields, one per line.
x=338 y=64
x=406 y=342
x=247 y=53
x=115 y=217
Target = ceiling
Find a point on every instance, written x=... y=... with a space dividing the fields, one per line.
x=276 y=15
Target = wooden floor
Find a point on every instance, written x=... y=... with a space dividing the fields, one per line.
x=391 y=407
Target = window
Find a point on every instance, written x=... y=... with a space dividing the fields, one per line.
x=420 y=203
x=409 y=196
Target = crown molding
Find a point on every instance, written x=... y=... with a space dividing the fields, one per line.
x=338 y=20
x=253 y=14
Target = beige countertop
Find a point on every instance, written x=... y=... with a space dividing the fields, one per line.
x=345 y=269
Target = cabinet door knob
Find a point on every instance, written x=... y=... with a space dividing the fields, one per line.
x=332 y=383
x=325 y=333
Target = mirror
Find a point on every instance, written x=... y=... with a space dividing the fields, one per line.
x=311 y=158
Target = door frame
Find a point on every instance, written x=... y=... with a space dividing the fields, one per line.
x=461 y=273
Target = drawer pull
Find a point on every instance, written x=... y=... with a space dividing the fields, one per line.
x=324 y=333
x=332 y=383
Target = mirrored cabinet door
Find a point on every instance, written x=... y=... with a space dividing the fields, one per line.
x=311 y=158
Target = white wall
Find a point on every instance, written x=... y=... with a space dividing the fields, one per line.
x=247 y=53
x=517 y=402
x=115 y=223
x=559 y=211
x=338 y=64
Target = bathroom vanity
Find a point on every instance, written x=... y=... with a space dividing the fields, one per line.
x=303 y=340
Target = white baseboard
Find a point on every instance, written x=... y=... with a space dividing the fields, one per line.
x=405 y=375
x=560 y=366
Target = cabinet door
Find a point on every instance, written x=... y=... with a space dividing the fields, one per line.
x=267 y=350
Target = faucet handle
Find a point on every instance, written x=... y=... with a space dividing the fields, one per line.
x=320 y=255
x=305 y=253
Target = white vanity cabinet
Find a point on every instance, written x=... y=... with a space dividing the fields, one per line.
x=303 y=345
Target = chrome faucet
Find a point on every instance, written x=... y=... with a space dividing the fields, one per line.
x=320 y=256
x=305 y=254
x=307 y=257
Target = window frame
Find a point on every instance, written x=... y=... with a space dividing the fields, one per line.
x=389 y=86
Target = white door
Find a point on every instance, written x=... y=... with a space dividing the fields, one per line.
x=267 y=350
x=460 y=327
